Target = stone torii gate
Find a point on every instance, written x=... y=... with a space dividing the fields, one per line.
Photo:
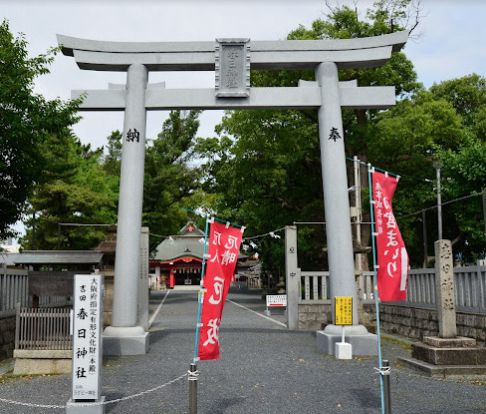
x=231 y=59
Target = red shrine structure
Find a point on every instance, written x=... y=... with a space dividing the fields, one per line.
x=178 y=259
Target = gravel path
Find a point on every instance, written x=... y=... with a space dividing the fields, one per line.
x=264 y=369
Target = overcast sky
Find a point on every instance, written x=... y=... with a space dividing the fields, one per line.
x=450 y=45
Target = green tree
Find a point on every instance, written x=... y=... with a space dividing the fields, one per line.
x=444 y=124
x=468 y=97
x=464 y=170
x=74 y=189
x=27 y=120
x=112 y=158
x=405 y=139
x=465 y=173
x=171 y=182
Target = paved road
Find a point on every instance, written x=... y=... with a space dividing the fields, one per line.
x=264 y=369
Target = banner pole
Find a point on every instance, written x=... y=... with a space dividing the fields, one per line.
x=201 y=292
x=375 y=288
x=193 y=373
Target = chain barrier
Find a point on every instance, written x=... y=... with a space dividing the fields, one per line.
x=128 y=397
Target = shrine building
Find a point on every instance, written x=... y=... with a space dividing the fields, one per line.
x=178 y=259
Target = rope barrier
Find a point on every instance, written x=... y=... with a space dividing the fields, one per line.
x=193 y=375
x=383 y=370
x=264 y=234
x=128 y=397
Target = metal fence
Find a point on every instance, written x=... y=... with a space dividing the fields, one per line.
x=43 y=328
x=470 y=288
x=14 y=290
x=469 y=284
x=420 y=289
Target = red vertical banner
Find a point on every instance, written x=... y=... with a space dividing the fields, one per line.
x=393 y=264
x=223 y=250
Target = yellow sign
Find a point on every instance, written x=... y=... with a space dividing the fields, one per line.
x=343 y=310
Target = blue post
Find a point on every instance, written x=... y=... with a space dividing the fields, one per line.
x=375 y=287
x=201 y=293
x=193 y=373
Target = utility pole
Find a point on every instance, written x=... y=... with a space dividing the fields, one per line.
x=424 y=238
x=358 y=211
x=484 y=211
x=437 y=166
x=33 y=230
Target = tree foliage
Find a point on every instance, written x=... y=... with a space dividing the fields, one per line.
x=445 y=125
x=73 y=188
x=27 y=120
x=464 y=170
x=170 y=181
x=81 y=185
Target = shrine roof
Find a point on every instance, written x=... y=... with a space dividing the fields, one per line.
x=189 y=242
x=57 y=257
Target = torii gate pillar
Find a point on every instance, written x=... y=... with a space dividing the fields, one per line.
x=124 y=337
x=336 y=205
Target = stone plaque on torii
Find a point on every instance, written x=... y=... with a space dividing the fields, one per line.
x=231 y=59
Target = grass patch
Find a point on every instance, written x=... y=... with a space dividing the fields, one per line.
x=9 y=377
x=402 y=343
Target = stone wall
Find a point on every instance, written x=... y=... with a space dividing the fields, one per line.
x=472 y=326
x=416 y=323
x=108 y=297
x=313 y=317
x=413 y=323
x=7 y=337
x=410 y=322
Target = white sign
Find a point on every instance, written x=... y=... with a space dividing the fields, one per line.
x=87 y=346
x=276 y=300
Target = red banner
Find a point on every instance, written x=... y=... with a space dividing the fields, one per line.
x=224 y=246
x=392 y=255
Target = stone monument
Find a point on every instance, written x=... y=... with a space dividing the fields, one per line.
x=447 y=353
x=292 y=277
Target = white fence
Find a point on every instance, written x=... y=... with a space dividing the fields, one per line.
x=14 y=290
x=43 y=329
x=470 y=288
x=313 y=287
x=253 y=282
